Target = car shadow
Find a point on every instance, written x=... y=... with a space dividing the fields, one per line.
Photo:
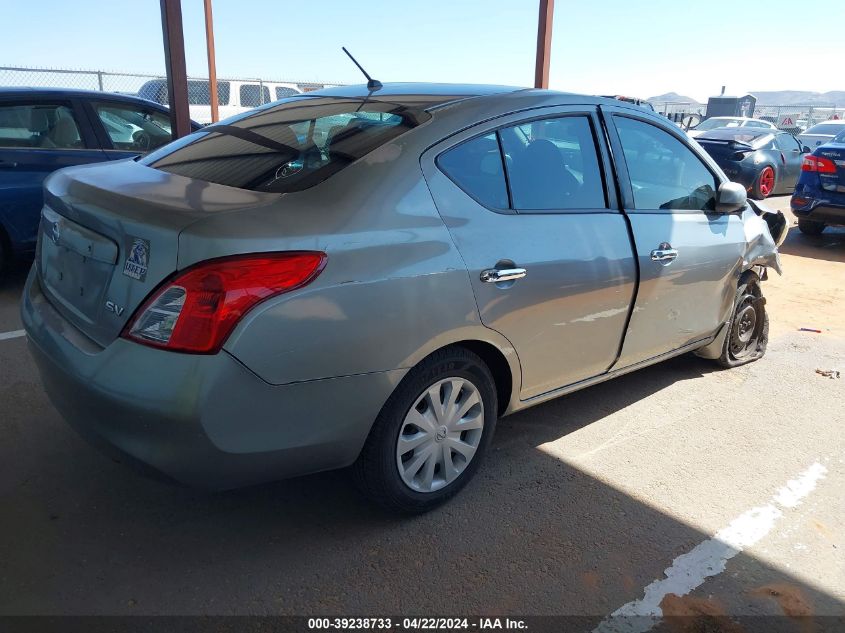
x=829 y=246
x=80 y=534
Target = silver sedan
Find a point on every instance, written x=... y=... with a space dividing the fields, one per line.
x=371 y=278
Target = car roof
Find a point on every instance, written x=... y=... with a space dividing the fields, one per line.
x=431 y=96
x=69 y=93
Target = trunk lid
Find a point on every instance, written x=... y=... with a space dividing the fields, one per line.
x=836 y=153
x=110 y=234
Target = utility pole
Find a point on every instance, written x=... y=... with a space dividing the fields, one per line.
x=544 y=43
x=212 y=65
x=174 y=61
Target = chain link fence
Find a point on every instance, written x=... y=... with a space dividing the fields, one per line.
x=233 y=95
x=790 y=118
x=797 y=118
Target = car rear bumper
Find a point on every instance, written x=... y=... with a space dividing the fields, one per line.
x=818 y=209
x=206 y=421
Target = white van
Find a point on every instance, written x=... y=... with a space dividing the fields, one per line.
x=233 y=97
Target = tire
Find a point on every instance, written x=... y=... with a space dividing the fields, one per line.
x=765 y=183
x=748 y=333
x=377 y=470
x=810 y=227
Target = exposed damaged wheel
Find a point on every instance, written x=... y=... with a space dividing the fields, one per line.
x=748 y=332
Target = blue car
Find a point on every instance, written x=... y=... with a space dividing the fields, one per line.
x=819 y=198
x=42 y=130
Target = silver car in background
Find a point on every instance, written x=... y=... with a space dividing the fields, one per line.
x=371 y=278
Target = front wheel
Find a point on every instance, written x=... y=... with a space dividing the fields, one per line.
x=748 y=333
x=765 y=184
x=431 y=435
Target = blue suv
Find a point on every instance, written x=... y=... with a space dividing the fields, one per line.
x=819 y=198
x=42 y=130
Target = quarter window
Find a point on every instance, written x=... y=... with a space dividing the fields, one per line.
x=38 y=125
x=552 y=164
x=476 y=167
x=664 y=173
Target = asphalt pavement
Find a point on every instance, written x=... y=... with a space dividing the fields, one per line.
x=681 y=487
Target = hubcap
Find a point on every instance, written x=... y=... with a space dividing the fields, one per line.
x=440 y=435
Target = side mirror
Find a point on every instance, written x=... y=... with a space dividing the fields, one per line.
x=805 y=150
x=731 y=197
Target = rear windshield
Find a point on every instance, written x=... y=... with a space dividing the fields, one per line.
x=288 y=146
x=826 y=128
x=712 y=124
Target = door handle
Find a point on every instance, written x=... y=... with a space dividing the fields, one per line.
x=495 y=275
x=664 y=254
x=7 y=164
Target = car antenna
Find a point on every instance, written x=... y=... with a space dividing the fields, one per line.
x=372 y=84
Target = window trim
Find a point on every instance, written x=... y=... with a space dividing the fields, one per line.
x=622 y=165
x=602 y=149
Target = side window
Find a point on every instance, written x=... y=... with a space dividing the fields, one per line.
x=757 y=124
x=133 y=128
x=664 y=173
x=787 y=143
x=476 y=167
x=552 y=164
x=253 y=95
x=39 y=125
x=283 y=91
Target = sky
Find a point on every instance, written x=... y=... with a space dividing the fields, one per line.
x=628 y=47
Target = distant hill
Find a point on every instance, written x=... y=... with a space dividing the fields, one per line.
x=803 y=97
x=671 y=97
x=771 y=97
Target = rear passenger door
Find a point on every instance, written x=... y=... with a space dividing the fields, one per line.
x=526 y=201
x=37 y=137
x=688 y=254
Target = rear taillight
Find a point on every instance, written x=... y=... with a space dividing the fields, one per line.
x=196 y=309
x=818 y=164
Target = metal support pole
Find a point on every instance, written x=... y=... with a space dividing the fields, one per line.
x=544 y=43
x=100 y=80
x=212 y=65
x=174 y=61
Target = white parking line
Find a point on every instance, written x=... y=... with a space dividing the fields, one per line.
x=709 y=558
x=14 y=334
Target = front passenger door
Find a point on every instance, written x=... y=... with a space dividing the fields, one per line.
x=688 y=255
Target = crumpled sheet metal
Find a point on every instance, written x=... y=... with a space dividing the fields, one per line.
x=762 y=249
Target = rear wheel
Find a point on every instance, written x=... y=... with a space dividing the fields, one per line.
x=765 y=184
x=431 y=435
x=810 y=227
x=748 y=333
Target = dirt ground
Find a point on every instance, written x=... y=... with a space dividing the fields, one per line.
x=604 y=500
x=811 y=292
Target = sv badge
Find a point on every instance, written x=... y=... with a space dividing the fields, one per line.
x=112 y=307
